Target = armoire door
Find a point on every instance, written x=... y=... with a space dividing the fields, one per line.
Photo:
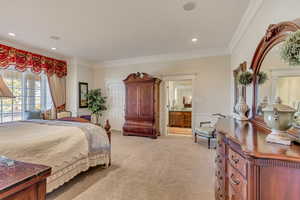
x=146 y=104
x=132 y=102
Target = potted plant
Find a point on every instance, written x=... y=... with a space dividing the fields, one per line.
x=96 y=103
x=262 y=77
x=245 y=78
x=290 y=49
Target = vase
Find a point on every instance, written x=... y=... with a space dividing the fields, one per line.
x=241 y=108
x=279 y=118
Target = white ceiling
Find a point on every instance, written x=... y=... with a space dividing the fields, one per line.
x=103 y=30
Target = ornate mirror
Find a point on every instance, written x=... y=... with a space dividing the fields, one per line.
x=239 y=90
x=280 y=79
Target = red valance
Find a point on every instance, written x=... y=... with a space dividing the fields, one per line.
x=23 y=60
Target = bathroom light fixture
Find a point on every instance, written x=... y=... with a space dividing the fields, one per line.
x=53 y=48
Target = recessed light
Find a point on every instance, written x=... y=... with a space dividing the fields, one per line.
x=12 y=34
x=53 y=48
x=194 y=40
x=188 y=6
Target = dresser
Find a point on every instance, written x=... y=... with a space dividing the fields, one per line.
x=249 y=168
x=141 y=105
x=23 y=181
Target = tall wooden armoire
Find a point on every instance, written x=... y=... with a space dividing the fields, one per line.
x=141 y=105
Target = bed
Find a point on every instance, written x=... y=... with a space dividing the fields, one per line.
x=69 y=148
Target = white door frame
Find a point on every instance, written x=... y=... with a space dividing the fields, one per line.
x=177 y=77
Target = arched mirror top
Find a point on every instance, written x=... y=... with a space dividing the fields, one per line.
x=267 y=59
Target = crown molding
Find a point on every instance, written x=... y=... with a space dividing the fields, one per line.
x=254 y=6
x=83 y=62
x=27 y=47
x=164 y=57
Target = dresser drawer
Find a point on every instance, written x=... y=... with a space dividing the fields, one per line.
x=27 y=194
x=238 y=162
x=237 y=182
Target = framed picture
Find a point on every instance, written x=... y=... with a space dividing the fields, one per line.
x=83 y=90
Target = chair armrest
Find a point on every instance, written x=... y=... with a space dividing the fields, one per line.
x=219 y=115
x=206 y=122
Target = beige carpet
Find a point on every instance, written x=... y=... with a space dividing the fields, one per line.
x=169 y=168
x=180 y=131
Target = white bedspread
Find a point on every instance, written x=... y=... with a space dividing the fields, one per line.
x=58 y=146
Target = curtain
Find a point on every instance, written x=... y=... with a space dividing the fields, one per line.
x=57 y=87
x=4 y=90
x=23 y=60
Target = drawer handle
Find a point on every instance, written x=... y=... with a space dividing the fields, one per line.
x=235 y=160
x=234 y=181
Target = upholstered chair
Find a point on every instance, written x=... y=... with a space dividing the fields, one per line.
x=207 y=129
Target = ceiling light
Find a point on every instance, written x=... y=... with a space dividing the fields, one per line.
x=53 y=48
x=189 y=6
x=12 y=34
x=194 y=40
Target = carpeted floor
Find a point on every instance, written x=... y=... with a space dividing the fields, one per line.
x=169 y=168
x=180 y=131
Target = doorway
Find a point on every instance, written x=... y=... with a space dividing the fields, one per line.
x=179 y=107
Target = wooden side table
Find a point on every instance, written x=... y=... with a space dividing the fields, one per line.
x=21 y=181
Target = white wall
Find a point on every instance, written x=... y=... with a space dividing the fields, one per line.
x=78 y=71
x=212 y=88
x=270 y=12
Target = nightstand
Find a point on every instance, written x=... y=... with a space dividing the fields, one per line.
x=21 y=181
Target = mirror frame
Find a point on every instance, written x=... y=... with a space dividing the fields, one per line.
x=275 y=34
x=241 y=68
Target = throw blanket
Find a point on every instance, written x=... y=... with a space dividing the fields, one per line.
x=97 y=138
x=52 y=143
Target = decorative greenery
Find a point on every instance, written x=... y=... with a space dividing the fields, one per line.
x=245 y=78
x=290 y=50
x=262 y=77
x=96 y=103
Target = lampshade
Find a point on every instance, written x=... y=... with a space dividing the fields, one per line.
x=4 y=90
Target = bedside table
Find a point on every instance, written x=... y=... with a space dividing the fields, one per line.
x=21 y=181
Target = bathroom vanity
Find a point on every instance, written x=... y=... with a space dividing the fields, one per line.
x=180 y=118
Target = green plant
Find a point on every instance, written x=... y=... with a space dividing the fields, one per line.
x=245 y=78
x=96 y=103
x=262 y=77
x=290 y=49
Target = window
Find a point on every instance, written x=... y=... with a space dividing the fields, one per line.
x=31 y=92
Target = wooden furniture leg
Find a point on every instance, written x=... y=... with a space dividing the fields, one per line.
x=108 y=132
